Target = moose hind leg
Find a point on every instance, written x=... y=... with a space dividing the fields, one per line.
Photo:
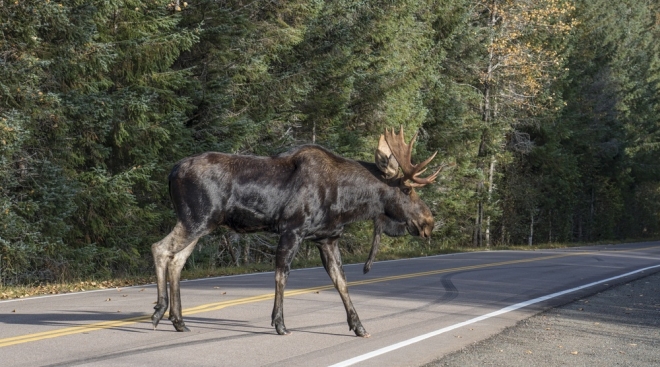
x=175 y=245
x=331 y=258
x=286 y=251
x=161 y=257
x=174 y=268
x=277 y=316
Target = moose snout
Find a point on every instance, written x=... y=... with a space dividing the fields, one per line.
x=422 y=228
x=425 y=230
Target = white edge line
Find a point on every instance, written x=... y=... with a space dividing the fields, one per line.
x=377 y=352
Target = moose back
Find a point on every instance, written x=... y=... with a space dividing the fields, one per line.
x=307 y=193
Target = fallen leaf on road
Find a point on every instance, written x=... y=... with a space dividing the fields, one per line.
x=574 y=352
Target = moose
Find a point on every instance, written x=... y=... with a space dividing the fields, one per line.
x=306 y=193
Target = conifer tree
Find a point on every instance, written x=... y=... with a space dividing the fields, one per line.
x=90 y=107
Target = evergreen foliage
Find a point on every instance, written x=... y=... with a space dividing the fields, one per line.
x=549 y=110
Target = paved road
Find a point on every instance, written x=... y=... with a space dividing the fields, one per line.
x=416 y=310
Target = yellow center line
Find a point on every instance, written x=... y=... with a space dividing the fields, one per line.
x=220 y=305
x=70 y=330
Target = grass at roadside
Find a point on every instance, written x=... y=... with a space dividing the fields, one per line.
x=196 y=272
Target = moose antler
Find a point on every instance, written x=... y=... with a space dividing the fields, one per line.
x=403 y=154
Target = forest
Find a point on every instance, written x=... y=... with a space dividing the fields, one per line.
x=548 y=110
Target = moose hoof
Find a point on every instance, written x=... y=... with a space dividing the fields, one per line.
x=281 y=330
x=158 y=315
x=359 y=331
x=179 y=325
x=155 y=320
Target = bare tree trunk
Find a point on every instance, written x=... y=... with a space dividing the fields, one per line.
x=503 y=234
x=550 y=227
x=592 y=210
x=477 y=239
x=580 y=239
x=488 y=231
x=246 y=251
x=308 y=252
x=314 y=133
x=531 y=228
x=230 y=248
x=486 y=117
x=490 y=196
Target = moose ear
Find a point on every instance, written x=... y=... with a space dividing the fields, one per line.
x=385 y=161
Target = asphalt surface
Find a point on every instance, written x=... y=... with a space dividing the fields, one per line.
x=616 y=327
x=417 y=310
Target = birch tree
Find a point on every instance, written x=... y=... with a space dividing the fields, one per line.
x=522 y=56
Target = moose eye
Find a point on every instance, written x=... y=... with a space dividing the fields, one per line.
x=406 y=190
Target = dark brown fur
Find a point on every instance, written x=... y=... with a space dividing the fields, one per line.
x=305 y=193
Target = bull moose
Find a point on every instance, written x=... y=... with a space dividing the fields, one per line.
x=306 y=193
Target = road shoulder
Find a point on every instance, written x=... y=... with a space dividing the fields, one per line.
x=616 y=327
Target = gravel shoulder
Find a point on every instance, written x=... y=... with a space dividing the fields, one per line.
x=617 y=327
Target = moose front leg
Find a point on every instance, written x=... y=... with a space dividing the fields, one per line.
x=286 y=251
x=391 y=228
x=331 y=258
x=378 y=229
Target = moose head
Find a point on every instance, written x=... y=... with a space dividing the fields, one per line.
x=393 y=154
